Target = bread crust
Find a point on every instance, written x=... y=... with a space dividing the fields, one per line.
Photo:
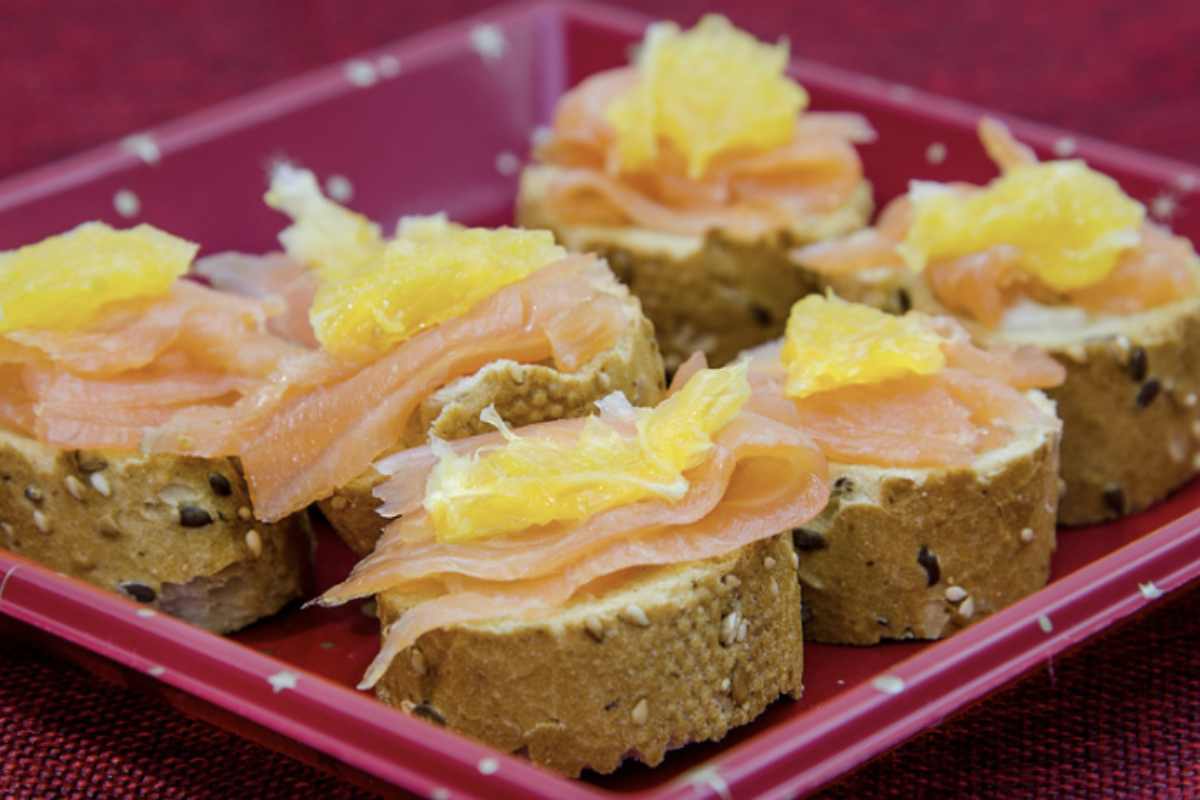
x=171 y=532
x=714 y=294
x=1131 y=419
x=880 y=561
x=522 y=394
x=677 y=655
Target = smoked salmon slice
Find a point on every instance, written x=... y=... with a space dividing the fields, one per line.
x=745 y=193
x=1160 y=269
x=762 y=476
x=136 y=366
x=940 y=420
x=318 y=423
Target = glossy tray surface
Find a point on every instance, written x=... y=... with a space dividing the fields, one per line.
x=443 y=122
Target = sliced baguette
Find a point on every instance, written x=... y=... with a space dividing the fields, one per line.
x=171 y=532
x=1131 y=420
x=921 y=553
x=673 y=656
x=522 y=395
x=709 y=293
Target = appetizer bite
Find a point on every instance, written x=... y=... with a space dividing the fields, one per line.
x=100 y=339
x=944 y=462
x=694 y=172
x=411 y=336
x=1055 y=255
x=591 y=590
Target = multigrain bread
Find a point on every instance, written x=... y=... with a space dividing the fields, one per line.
x=522 y=395
x=1131 y=420
x=709 y=293
x=170 y=532
x=675 y=655
x=921 y=553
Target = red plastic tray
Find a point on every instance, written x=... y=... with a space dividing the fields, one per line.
x=441 y=122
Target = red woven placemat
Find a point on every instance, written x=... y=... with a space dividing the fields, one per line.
x=1120 y=719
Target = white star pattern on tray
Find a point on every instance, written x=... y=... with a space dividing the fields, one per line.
x=1164 y=206
x=283 y=680
x=710 y=778
x=1149 y=590
x=143 y=146
x=1044 y=623
x=888 y=684
x=489 y=42
x=360 y=73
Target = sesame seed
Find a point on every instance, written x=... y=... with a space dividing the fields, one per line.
x=33 y=494
x=594 y=628
x=507 y=163
x=1123 y=344
x=220 y=484
x=244 y=514
x=729 y=628
x=641 y=712
x=138 y=591
x=360 y=73
x=774 y=587
x=100 y=484
x=732 y=581
x=338 y=503
x=1189 y=400
x=143 y=146
x=339 y=188
x=1044 y=623
x=194 y=517
x=1076 y=353
x=1064 y=146
x=634 y=614
x=74 y=487
x=489 y=766
x=795 y=559
x=418 y=661
x=1177 y=448
x=967 y=608
x=935 y=153
x=126 y=203
x=768 y=563
x=40 y=521
x=146 y=613
x=725 y=684
x=955 y=594
x=254 y=543
x=888 y=684
x=8 y=529
x=1027 y=535
x=743 y=631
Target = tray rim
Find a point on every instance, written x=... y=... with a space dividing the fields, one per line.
x=1165 y=559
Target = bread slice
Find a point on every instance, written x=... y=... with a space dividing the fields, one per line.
x=1129 y=406
x=522 y=394
x=920 y=553
x=1131 y=419
x=171 y=532
x=709 y=293
x=674 y=655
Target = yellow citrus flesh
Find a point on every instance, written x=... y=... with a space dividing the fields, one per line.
x=531 y=481
x=704 y=92
x=374 y=293
x=1069 y=223
x=66 y=281
x=830 y=343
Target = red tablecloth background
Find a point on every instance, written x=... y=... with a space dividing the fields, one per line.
x=1120 y=718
